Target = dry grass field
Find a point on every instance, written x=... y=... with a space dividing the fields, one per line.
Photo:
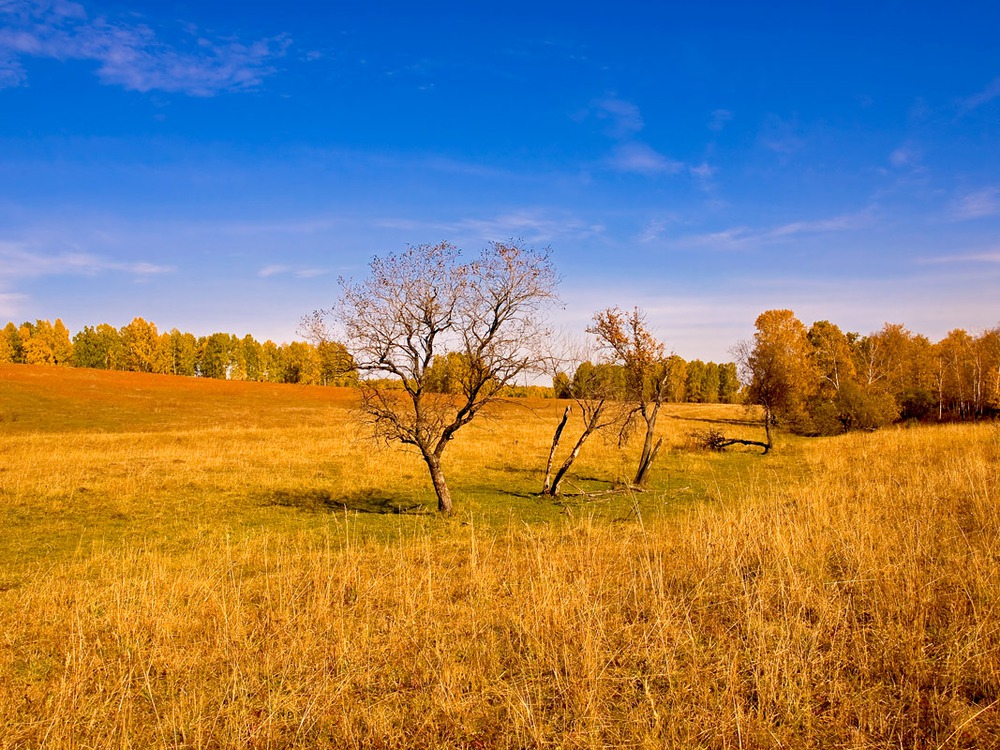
x=202 y=564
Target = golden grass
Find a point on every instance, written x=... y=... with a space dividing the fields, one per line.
x=843 y=593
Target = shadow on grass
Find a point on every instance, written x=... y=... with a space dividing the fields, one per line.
x=570 y=488
x=363 y=501
x=523 y=495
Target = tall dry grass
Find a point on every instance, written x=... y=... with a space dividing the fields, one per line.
x=850 y=603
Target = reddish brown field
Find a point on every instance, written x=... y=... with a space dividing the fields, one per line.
x=102 y=400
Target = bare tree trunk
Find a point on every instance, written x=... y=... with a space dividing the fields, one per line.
x=591 y=426
x=940 y=385
x=646 y=462
x=547 y=487
x=648 y=451
x=767 y=428
x=440 y=486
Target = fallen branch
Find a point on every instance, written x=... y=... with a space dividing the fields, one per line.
x=735 y=441
x=716 y=441
x=584 y=494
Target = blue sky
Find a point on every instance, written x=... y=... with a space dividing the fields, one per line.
x=216 y=166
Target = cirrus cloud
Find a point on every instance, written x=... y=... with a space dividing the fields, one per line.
x=977 y=204
x=624 y=117
x=19 y=260
x=988 y=94
x=641 y=158
x=130 y=54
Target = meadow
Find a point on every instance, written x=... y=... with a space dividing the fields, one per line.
x=207 y=564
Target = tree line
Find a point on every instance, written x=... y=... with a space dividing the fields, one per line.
x=692 y=381
x=140 y=347
x=813 y=380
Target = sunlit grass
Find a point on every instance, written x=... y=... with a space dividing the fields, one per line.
x=233 y=571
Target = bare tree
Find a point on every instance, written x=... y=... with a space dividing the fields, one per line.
x=630 y=344
x=597 y=391
x=425 y=301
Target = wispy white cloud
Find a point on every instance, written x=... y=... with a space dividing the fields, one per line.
x=139 y=268
x=19 y=260
x=734 y=238
x=629 y=153
x=743 y=237
x=624 y=117
x=130 y=54
x=299 y=273
x=984 y=256
x=641 y=158
x=704 y=173
x=531 y=225
x=991 y=92
x=977 y=204
x=840 y=223
x=654 y=229
x=268 y=271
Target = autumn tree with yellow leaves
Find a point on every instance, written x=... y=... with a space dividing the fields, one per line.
x=780 y=370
